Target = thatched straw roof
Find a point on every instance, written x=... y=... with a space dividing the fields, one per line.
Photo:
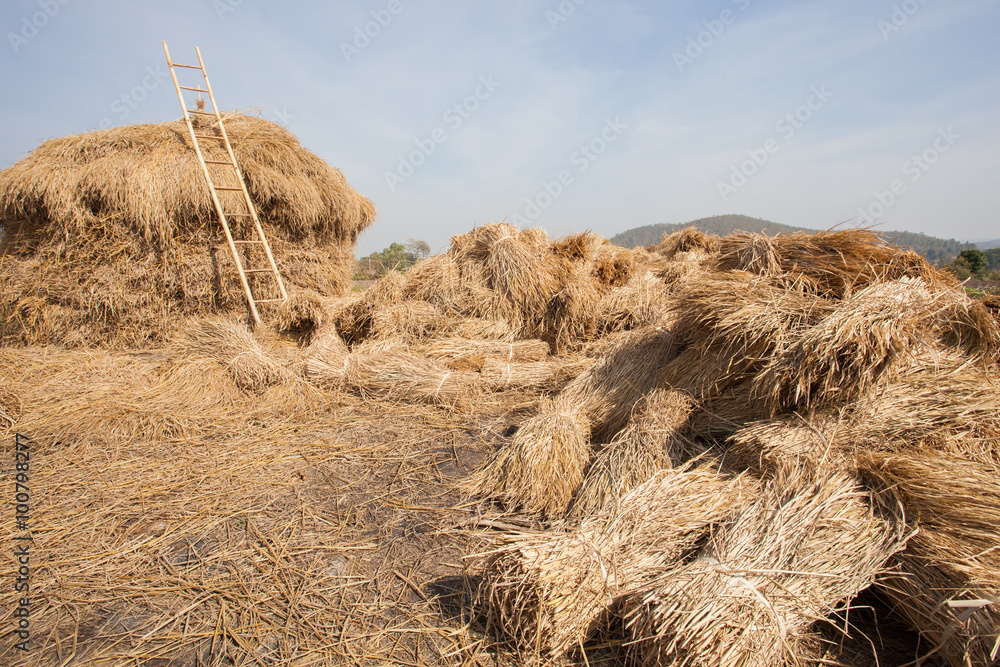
x=146 y=178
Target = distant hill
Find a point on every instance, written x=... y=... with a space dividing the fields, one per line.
x=931 y=247
x=986 y=245
x=719 y=224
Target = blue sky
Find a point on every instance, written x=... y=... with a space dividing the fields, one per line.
x=570 y=115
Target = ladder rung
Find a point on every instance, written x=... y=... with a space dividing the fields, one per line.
x=246 y=242
x=238 y=215
x=210 y=136
x=201 y=113
x=258 y=271
x=200 y=90
x=218 y=162
x=219 y=187
x=187 y=66
x=268 y=300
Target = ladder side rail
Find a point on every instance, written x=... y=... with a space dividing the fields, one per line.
x=211 y=185
x=239 y=174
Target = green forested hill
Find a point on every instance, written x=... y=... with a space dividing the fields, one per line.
x=931 y=247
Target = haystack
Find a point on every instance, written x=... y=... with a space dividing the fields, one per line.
x=111 y=236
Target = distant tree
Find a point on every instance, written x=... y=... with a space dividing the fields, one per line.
x=974 y=260
x=396 y=257
x=418 y=248
x=993 y=258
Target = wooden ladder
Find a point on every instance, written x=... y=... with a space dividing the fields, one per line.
x=249 y=210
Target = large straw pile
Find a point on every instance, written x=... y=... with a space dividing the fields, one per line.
x=519 y=284
x=111 y=237
x=855 y=380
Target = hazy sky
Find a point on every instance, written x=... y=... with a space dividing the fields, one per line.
x=572 y=115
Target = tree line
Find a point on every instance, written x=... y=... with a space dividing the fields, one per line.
x=397 y=257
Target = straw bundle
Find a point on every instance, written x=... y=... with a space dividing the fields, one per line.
x=500 y=331
x=720 y=415
x=744 y=251
x=852 y=350
x=545 y=376
x=685 y=240
x=302 y=314
x=394 y=375
x=613 y=266
x=807 y=544
x=794 y=440
x=638 y=303
x=841 y=262
x=541 y=468
x=948 y=580
x=326 y=341
x=741 y=318
x=125 y=216
x=939 y=398
x=551 y=591
x=536 y=237
x=570 y=315
x=407 y=322
x=231 y=344
x=582 y=247
x=354 y=316
x=437 y=280
x=456 y=347
x=522 y=280
x=652 y=441
x=674 y=274
x=991 y=302
x=606 y=392
x=967 y=325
